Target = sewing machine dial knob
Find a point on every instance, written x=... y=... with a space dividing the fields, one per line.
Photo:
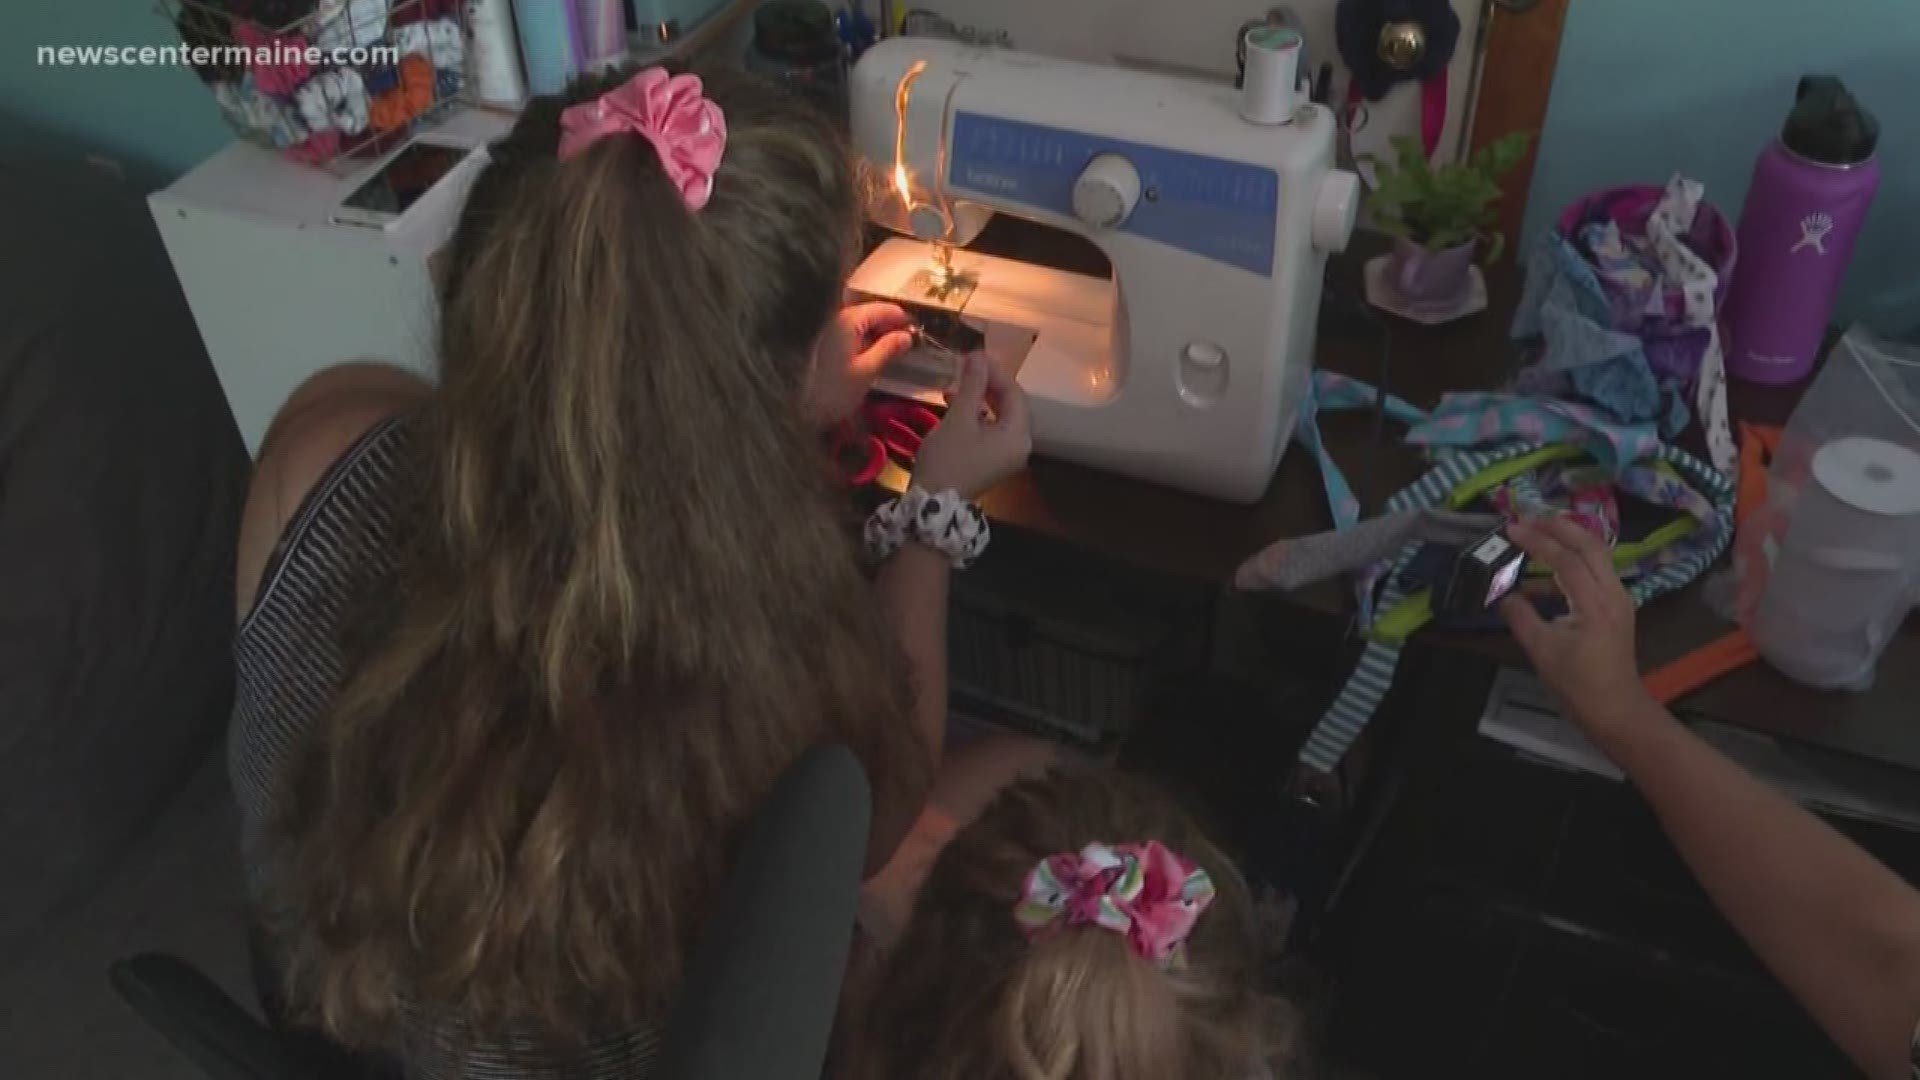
x=1106 y=192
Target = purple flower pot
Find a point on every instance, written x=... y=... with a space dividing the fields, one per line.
x=1431 y=278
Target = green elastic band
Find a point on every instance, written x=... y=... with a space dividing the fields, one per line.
x=1416 y=609
x=1502 y=471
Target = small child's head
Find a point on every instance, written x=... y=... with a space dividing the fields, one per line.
x=995 y=978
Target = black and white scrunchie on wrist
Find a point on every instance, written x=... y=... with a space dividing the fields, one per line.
x=944 y=522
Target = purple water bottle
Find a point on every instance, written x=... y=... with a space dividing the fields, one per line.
x=1811 y=190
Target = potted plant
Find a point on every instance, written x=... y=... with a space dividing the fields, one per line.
x=1437 y=216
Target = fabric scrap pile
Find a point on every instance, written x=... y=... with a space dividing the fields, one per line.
x=1621 y=304
x=1623 y=298
x=1497 y=457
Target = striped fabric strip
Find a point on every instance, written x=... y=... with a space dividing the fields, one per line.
x=1372 y=678
x=290 y=659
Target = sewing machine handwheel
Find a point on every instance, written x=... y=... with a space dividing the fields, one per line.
x=1106 y=191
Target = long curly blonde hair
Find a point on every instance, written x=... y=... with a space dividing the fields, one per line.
x=629 y=603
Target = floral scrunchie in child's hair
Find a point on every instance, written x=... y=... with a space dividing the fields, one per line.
x=1145 y=892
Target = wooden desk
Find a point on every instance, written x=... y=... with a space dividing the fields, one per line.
x=1166 y=531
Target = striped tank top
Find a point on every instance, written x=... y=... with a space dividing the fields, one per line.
x=291 y=655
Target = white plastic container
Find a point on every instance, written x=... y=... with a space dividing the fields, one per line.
x=493 y=54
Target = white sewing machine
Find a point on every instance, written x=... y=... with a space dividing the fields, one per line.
x=1188 y=366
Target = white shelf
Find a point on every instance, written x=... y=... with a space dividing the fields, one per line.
x=278 y=291
x=252 y=180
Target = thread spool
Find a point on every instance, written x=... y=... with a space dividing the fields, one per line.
x=1845 y=574
x=1270 y=91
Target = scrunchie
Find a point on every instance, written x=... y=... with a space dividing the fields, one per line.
x=379 y=78
x=281 y=76
x=320 y=148
x=335 y=100
x=1143 y=891
x=412 y=97
x=943 y=521
x=343 y=24
x=439 y=41
x=688 y=131
x=255 y=113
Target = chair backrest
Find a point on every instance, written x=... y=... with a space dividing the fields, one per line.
x=762 y=987
x=210 y=1029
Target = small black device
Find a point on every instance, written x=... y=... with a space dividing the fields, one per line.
x=399 y=183
x=1484 y=571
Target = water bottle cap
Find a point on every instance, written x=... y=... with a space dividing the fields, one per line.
x=1828 y=126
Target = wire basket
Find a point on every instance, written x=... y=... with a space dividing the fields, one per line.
x=328 y=83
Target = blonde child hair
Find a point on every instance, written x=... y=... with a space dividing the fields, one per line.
x=965 y=995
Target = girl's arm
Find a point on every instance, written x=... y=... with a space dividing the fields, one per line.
x=913 y=587
x=323 y=417
x=972 y=775
x=1838 y=928
x=974 y=448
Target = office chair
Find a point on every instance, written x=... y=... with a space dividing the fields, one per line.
x=761 y=990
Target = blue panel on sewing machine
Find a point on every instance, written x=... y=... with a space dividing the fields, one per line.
x=1222 y=210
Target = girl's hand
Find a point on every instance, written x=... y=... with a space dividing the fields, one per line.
x=861 y=341
x=1585 y=657
x=974 y=448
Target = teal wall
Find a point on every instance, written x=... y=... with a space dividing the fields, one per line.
x=156 y=122
x=1644 y=87
x=1647 y=87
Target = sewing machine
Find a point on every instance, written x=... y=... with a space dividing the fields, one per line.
x=1188 y=366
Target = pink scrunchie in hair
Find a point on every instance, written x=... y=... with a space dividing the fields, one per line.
x=688 y=131
x=281 y=78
